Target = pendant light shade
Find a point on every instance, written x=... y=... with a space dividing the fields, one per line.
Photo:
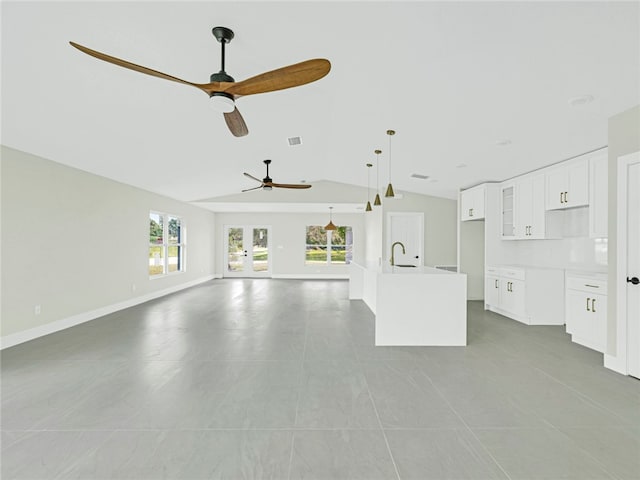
x=389 y=192
x=377 y=201
x=330 y=225
x=368 y=208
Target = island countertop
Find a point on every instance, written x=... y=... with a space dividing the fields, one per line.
x=388 y=269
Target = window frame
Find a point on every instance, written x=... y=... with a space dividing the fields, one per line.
x=328 y=246
x=167 y=244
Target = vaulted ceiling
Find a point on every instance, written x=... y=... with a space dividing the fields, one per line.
x=475 y=91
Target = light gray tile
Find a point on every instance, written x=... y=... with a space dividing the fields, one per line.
x=617 y=449
x=441 y=454
x=334 y=394
x=539 y=453
x=404 y=397
x=143 y=455
x=341 y=454
x=328 y=344
x=48 y=455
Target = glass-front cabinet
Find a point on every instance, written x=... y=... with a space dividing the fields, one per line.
x=507 y=202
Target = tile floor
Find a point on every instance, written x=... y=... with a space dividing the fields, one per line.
x=280 y=379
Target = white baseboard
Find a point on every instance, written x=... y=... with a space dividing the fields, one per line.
x=57 y=325
x=615 y=364
x=313 y=276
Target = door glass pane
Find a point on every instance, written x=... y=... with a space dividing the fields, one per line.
x=260 y=250
x=235 y=253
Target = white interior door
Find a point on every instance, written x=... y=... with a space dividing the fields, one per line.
x=407 y=228
x=632 y=284
x=247 y=252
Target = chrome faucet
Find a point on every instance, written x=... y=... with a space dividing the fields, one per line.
x=392 y=247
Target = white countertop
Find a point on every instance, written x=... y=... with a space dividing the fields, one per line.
x=387 y=269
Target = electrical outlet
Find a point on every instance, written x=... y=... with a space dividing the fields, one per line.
x=37 y=310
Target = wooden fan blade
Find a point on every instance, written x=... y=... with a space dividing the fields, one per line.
x=254 y=188
x=236 y=124
x=288 y=185
x=138 y=68
x=252 y=177
x=286 y=77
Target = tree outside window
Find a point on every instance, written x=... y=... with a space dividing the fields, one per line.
x=326 y=247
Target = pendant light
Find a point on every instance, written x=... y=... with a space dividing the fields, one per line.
x=389 y=192
x=330 y=225
x=377 y=201
x=368 y=209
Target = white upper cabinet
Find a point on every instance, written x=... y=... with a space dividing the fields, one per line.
x=567 y=185
x=472 y=203
x=529 y=219
x=598 y=192
x=507 y=205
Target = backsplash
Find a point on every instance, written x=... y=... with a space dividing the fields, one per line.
x=575 y=251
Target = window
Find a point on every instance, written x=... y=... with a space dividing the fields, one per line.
x=166 y=244
x=324 y=247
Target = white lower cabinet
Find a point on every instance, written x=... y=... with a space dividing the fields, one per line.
x=586 y=310
x=530 y=295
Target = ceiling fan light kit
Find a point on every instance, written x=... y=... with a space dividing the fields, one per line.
x=223 y=103
x=223 y=89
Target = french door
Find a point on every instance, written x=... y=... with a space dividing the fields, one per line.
x=247 y=251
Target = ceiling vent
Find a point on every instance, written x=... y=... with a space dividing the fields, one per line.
x=418 y=175
x=293 y=141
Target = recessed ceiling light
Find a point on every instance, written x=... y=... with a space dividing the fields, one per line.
x=580 y=100
x=503 y=142
x=461 y=165
x=293 y=141
x=420 y=176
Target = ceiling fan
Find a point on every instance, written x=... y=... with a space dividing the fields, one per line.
x=223 y=89
x=267 y=183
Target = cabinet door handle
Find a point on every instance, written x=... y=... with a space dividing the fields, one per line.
x=471 y=212
x=566 y=197
x=588 y=309
x=496 y=284
x=561 y=201
x=593 y=305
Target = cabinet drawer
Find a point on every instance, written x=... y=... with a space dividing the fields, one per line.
x=515 y=273
x=586 y=284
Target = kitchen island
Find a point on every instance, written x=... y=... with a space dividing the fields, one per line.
x=413 y=305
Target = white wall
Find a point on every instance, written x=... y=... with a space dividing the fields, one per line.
x=440 y=225
x=73 y=242
x=288 y=238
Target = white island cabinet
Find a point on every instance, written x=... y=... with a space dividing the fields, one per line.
x=413 y=305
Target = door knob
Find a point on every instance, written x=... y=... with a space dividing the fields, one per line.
x=633 y=280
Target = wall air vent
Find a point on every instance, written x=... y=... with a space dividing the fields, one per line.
x=420 y=176
x=293 y=141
